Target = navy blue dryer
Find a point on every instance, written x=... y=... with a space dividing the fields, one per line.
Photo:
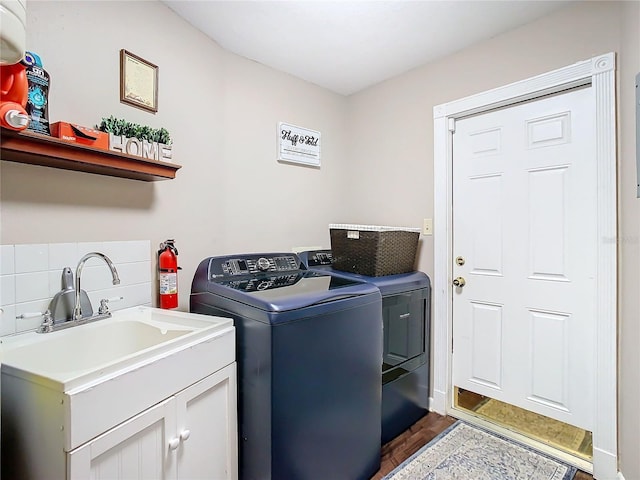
x=309 y=352
x=406 y=313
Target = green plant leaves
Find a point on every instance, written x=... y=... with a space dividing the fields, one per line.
x=119 y=126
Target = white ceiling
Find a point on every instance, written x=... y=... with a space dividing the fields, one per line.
x=346 y=46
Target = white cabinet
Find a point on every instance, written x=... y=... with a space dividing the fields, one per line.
x=171 y=416
x=136 y=449
x=191 y=435
x=207 y=428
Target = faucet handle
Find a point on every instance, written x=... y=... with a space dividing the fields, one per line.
x=104 y=307
x=47 y=324
x=47 y=320
x=31 y=314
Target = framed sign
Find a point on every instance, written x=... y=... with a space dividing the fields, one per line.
x=138 y=82
x=298 y=145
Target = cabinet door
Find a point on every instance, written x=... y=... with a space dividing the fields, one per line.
x=137 y=449
x=207 y=427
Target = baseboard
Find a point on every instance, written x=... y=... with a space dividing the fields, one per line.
x=620 y=476
x=437 y=403
x=605 y=465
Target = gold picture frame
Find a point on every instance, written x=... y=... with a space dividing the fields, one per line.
x=138 y=82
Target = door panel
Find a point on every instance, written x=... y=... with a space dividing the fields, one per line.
x=549 y=362
x=524 y=183
x=486 y=361
x=488 y=225
x=548 y=223
x=136 y=448
x=207 y=425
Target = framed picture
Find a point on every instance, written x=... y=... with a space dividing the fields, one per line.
x=298 y=145
x=138 y=82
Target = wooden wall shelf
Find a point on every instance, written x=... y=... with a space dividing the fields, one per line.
x=35 y=149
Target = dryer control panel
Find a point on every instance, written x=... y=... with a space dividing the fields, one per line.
x=253 y=264
x=319 y=258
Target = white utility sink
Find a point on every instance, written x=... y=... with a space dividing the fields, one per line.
x=110 y=370
x=84 y=353
x=72 y=386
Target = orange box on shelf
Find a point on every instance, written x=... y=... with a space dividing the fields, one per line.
x=80 y=135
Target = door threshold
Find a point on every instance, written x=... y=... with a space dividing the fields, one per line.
x=468 y=417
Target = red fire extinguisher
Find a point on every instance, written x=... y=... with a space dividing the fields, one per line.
x=168 y=274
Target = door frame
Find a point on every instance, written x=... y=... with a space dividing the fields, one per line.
x=599 y=73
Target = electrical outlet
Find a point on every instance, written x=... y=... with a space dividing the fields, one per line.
x=427 y=227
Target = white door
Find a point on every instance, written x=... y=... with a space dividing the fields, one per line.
x=207 y=427
x=138 y=448
x=524 y=203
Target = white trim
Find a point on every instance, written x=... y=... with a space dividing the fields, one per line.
x=605 y=439
x=440 y=288
x=599 y=72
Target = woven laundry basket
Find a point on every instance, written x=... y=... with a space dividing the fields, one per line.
x=373 y=250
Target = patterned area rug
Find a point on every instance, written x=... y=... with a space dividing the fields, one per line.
x=466 y=452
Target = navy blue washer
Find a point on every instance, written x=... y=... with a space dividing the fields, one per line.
x=406 y=315
x=309 y=352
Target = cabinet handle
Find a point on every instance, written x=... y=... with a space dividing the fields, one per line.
x=174 y=443
x=184 y=436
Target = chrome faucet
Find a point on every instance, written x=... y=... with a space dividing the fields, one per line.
x=77 y=311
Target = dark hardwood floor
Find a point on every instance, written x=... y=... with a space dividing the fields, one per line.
x=418 y=435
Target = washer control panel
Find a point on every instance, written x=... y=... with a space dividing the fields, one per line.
x=256 y=284
x=253 y=264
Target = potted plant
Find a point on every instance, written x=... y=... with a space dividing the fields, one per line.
x=138 y=140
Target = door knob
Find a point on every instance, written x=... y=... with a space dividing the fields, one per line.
x=459 y=282
x=174 y=443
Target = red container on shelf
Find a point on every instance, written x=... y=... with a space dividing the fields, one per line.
x=80 y=135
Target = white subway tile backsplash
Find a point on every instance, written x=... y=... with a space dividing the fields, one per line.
x=138 y=295
x=31 y=258
x=131 y=297
x=7 y=260
x=31 y=276
x=113 y=295
x=63 y=255
x=32 y=286
x=87 y=247
x=96 y=277
x=7 y=290
x=8 y=320
x=143 y=251
x=133 y=273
